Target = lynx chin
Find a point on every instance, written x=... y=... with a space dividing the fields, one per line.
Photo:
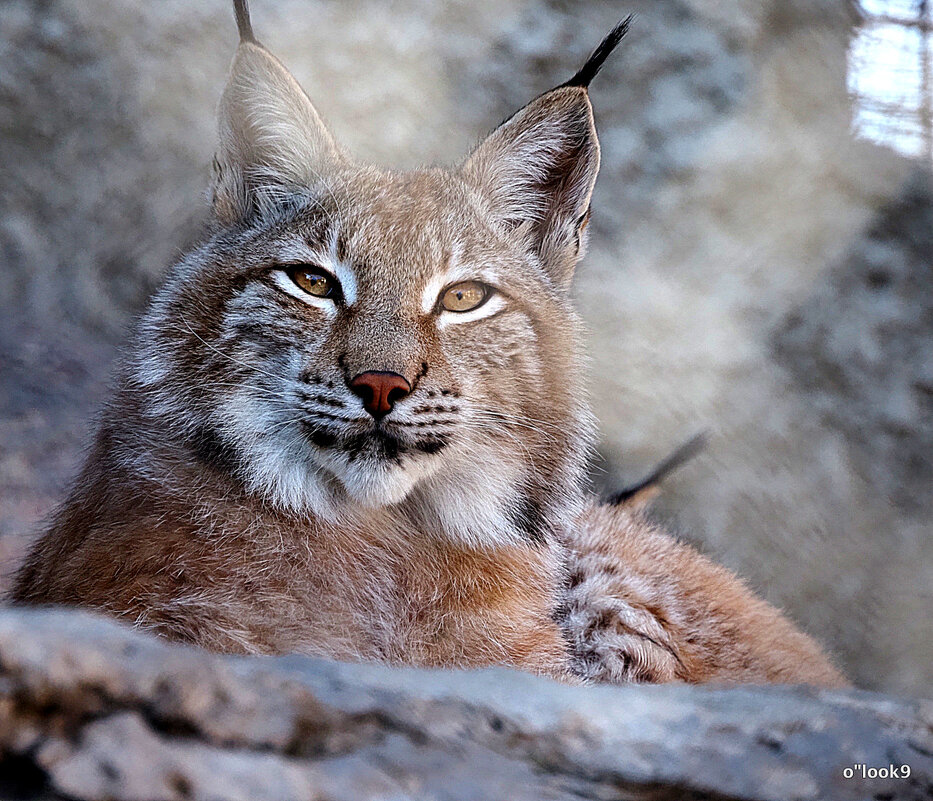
x=353 y=423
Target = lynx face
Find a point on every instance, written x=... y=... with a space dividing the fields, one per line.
x=351 y=338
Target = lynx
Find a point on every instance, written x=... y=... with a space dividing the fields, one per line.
x=353 y=423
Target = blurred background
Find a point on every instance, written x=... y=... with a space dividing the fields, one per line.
x=761 y=262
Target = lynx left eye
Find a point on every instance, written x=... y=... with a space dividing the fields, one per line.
x=465 y=296
x=314 y=280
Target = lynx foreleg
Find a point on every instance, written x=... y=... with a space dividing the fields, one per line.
x=639 y=606
x=613 y=638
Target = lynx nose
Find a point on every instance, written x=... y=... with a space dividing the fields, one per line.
x=379 y=391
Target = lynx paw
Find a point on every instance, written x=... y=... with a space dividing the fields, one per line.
x=615 y=637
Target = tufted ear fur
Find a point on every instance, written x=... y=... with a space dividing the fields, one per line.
x=271 y=136
x=538 y=168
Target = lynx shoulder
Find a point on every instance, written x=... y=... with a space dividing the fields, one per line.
x=353 y=423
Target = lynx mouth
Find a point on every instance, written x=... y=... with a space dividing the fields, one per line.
x=377 y=467
x=380 y=443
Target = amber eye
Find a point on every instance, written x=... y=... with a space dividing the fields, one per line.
x=313 y=280
x=465 y=296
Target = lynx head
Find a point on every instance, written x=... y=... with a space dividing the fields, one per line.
x=352 y=338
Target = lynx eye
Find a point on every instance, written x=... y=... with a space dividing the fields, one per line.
x=313 y=280
x=465 y=296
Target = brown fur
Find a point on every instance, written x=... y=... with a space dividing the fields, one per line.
x=239 y=497
x=634 y=604
x=241 y=579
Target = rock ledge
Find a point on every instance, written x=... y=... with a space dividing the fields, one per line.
x=90 y=709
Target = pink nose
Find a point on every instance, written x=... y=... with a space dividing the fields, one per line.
x=379 y=391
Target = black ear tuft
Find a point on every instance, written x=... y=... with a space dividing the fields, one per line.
x=244 y=26
x=600 y=54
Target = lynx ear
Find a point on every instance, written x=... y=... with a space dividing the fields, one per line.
x=538 y=168
x=270 y=133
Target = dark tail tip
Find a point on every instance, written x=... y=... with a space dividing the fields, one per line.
x=683 y=454
x=243 y=24
x=593 y=64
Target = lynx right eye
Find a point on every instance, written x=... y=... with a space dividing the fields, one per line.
x=465 y=296
x=313 y=280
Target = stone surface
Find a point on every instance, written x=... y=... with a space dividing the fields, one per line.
x=90 y=709
x=733 y=203
x=861 y=347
